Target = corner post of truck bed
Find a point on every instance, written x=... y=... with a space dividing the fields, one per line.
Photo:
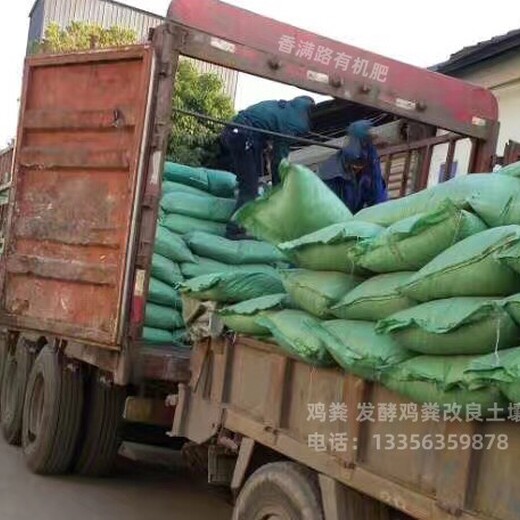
x=165 y=42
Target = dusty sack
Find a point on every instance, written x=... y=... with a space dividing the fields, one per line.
x=361 y=351
x=183 y=224
x=495 y=198
x=299 y=205
x=317 y=291
x=375 y=298
x=212 y=208
x=242 y=317
x=162 y=317
x=501 y=369
x=235 y=252
x=331 y=248
x=216 y=182
x=204 y=266
x=297 y=333
x=469 y=268
x=163 y=294
x=442 y=380
x=408 y=245
x=171 y=246
x=456 y=326
x=160 y=336
x=176 y=187
x=232 y=287
x=166 y=270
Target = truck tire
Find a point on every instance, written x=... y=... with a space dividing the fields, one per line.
x=16 y=371
x=3 y=355
x=52 y=413
x=282 y=491
x=102 y=416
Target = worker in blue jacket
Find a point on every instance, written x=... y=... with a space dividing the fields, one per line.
x=246 y=147
x=354 y=173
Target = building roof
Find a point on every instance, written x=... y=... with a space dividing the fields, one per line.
x=479 y=52
x=117 y=3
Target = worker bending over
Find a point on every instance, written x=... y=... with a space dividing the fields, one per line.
x=246 y=147
x=354 y=173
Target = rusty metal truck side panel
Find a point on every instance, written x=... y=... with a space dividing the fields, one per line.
x=78 y=159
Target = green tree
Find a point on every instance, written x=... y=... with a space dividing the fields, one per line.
x=192 y=141
x=82 y=36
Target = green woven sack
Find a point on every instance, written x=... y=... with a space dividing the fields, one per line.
x=361 y=351
x=216 y=182
x=157 y=336
x=374 y=299
x=442 y=380
x=242 y=317
x=176 y=187
x=235 y=252
x=513 y=170
x=162 y=317
x=469 y=268
x=510 y=256
x=183 y=224
x=456 y=326
x=215 y=209
x=411 y=243
x=166 y=270
x=301 y=204
x=232 y=287
x=512 y=307
x=331 y=248
x=501 y=369
x=204 y=266
x=163 y=294
x=317 y=291
x=495 y=198
x=299 y=335
x=171 y=246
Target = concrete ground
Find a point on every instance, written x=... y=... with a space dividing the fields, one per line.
x=154 y=487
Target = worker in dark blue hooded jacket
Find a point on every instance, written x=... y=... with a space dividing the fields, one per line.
x=354 y=173
x=246 y=147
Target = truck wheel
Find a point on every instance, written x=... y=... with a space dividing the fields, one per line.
x=280 y=491
x=3 y=355
x=102 y=417
x=52 y=413
x=15 y=375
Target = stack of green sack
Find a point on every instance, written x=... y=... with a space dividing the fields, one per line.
x=410 y=293
x=197 y=204
x=192 y=199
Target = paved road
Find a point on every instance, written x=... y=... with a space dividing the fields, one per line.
x=138 y=492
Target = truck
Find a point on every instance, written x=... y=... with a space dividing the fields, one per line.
x=83 y=208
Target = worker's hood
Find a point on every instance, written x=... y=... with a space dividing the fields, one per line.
x=302 y=102
x=359 y=138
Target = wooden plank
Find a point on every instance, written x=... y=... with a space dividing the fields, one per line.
x=455 y=469
x=275 y=398
x=245 y=453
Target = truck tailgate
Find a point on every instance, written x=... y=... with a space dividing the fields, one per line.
x=77 y=172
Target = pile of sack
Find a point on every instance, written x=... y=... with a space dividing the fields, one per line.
x=196 y=206
x=421 y=293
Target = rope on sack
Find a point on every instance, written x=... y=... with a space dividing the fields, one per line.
x=458 y=226
x=497 y=343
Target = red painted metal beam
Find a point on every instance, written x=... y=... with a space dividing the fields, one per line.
x=388 y=84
